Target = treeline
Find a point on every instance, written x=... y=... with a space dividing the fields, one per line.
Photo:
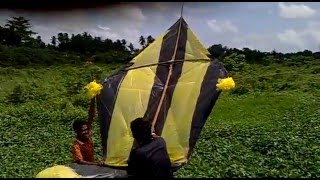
x=249 y=56
x=20 y=46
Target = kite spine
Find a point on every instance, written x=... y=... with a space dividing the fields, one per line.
x=168 y=78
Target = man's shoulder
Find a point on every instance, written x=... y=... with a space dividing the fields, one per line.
x=75 y=145
x=77 y=142
x=157 y=142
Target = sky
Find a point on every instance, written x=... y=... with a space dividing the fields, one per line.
x=265 y=26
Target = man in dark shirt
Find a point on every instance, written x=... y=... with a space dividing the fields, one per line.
x=149 y=156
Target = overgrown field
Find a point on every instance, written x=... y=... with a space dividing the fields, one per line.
x=269 y=126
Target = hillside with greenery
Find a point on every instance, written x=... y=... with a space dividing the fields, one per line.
x=268 y=126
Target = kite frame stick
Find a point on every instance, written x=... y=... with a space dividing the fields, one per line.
x=168 y=62
x=168 y=78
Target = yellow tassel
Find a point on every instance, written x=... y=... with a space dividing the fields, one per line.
x=225 y=84
x=93 y=89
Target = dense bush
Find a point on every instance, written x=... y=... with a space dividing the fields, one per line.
x=268 y=60
x=22 y=56
x=235 y=62
x=254 y=130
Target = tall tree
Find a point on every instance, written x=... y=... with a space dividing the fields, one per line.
x=40 y=43
x=10 y=37
x=150 y=40
x=63 y=38
x=142 y=41
x=217 y=50
x=2 y=34
x=123 y=42
x=54 y=41
x=131 y=48
x=21 y=27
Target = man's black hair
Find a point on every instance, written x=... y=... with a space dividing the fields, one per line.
x=78 y=124
x=141 y=129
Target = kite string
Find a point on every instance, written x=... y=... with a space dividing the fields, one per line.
x=181 y=9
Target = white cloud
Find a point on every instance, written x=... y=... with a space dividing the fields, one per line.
x=124 y=22
x=291 y=11
x=132 y=35
x=222 y=26
x=290 y=41
x=313 y=30
x=262 y=42
x=103 y=27
x=292 y=37
x=104 y=34
x=307 y=38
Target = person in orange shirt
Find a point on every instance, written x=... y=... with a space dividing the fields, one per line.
x=82 y=148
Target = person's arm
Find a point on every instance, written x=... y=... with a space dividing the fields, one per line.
x=154 y=135
x=163 y=171
x=91 y=113
x=133 y=164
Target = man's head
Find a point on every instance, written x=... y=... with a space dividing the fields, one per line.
x=141 y=129
x=81 y=129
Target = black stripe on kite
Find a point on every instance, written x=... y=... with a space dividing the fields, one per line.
x=176 y=73
x=106 y=104
x=206 y=100
x=162 y=71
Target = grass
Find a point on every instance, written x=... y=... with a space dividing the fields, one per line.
x=268 y=127
x=259 y=136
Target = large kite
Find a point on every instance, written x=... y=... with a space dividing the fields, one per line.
x=173 y=83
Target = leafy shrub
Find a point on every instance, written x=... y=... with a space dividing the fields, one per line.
x=74 y=87
x=17 y=96
x=112 y=56
x=23 y=56
x=315 y=70
x=80 y=100
x=268 y=60
x=240 y=90
x=298 y=60
x=315 y=85
x=261 y=85
x=281 y=86
x=235 y=62
x=95 y=72
x=9 y=71
x=23 y=93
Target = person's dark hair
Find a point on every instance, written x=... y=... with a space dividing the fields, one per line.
x=78 y=124
x=141 y=129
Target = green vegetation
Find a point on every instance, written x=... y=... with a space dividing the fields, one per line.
x=268 y=126
x=265 y=135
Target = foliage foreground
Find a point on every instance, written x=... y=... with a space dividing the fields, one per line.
x=267 y=127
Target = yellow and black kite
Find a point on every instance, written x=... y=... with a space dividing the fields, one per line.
x=173 y=83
